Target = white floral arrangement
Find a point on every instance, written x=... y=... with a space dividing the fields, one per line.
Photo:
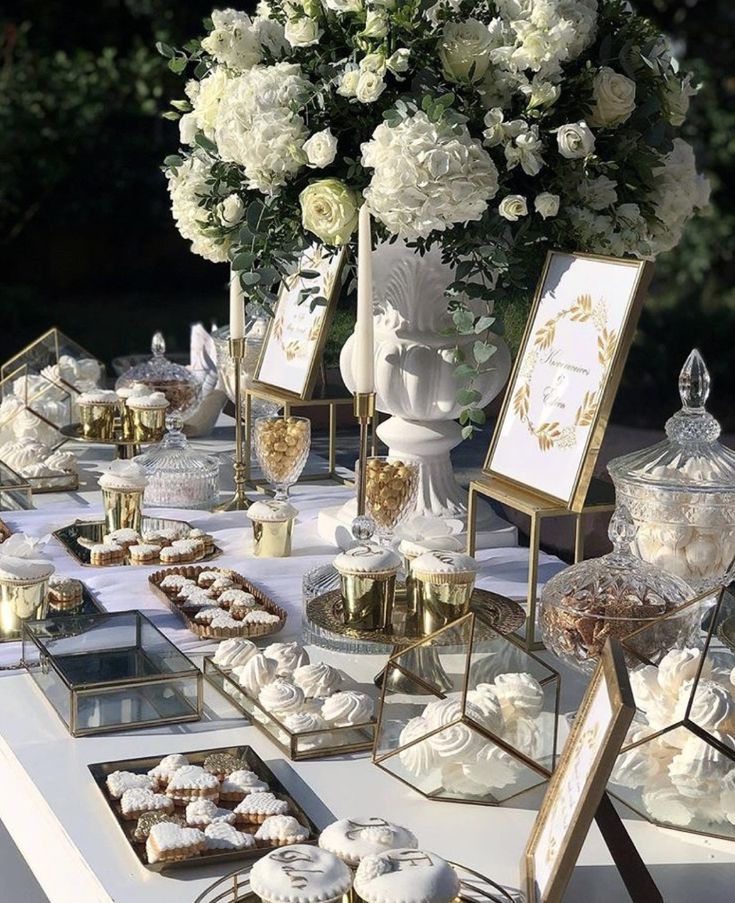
x=497 y=129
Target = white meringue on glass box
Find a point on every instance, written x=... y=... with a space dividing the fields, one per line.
x=681 y=491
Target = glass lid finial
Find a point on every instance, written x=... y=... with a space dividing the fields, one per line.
x=694 y=382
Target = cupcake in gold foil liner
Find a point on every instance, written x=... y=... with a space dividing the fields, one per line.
x=123 y=485
x=24 y=577
x=411 y=549
x=368 y=582
x=147 y=416
x=444 y=583
x=97 y=414
x=272 y=528
x=282 y=446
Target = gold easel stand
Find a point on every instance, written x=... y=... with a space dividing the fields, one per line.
x=600 y=499
x=331 y=397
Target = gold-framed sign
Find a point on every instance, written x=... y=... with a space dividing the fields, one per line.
x=293 y=347
x=578 y=785
x=566 y=375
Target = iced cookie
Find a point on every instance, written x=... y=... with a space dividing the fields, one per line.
x=168 y=842
x=237 y=785
x=300 y=874
x=256 y=807
x=399 y=876
x=136 y=801
x=221 y=836
x=281 y=831
x=120 y=781
x=352 y=839
x=201 y=813
x=192 y=783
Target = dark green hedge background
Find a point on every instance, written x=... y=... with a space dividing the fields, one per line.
x=86 y=239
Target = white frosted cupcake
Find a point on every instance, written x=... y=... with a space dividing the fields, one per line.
x=352 y=839
x=124 y=476
x=272 y=522
x=146 y=416
x=406 y=876
x=368 y=581
x=300 y=874
x=443 y=585
x=97 y=414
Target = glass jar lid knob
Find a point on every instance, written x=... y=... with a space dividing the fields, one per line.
x=622 y=530
x=158 y=344
x=693 y=424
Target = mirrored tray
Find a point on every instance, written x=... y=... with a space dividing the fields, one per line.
x=77 y=538
x=475 y=888
x=252 y=760
x=11 y=633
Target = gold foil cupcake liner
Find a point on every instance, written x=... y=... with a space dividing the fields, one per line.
x=439 y=579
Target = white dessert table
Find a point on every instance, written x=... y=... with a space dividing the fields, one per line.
x=53 y=811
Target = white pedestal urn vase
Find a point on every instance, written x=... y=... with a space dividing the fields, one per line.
x=416 y=384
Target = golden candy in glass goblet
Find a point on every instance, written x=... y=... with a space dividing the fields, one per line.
x=282 y=447
x=391 y=487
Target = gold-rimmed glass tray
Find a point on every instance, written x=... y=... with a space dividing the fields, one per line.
x=319 y=744
x=474 y=888
x=245 y=753
x=79 y=537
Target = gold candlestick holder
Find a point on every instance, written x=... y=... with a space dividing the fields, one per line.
x=363 y=526
x=239 y=501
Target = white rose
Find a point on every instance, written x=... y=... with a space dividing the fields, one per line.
x=188 y=128
x=329 y=210
x=614 y=96
x=344 y=6
x=373 y=62
x=369 y=87
x=302 y=32
x=348 y=83
x=321 y=149
x=398 y=61
x=546 y=204
x=376 y=24
x=464 y=50
x=513 y=207
x=231 y=210
x=575 y=140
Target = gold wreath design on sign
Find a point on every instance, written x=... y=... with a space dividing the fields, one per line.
x=293 y=347
x=551 y=434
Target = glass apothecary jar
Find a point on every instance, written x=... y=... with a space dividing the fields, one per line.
x=681 y=492
x=180 y=386
x=614 y=595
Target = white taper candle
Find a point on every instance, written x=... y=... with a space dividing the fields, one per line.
x=237 y=307
x=364 y=351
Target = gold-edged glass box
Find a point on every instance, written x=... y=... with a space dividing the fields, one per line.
x=676 y=767
x=310 y=744
x=59 y=358
x=33 y=405
x=468 y=715
x=110 y=672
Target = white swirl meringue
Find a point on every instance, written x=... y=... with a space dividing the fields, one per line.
x=287 y=656
x=456 y=742
x=713 y=707
x=698 y=770
x=281 y=697
x=257 y=673
x=486 y=700
x=664 y=804
x=420 y=758
x=492 y=768
x=636 y=768
x=318 y=680
x=679 y=666
x=644 y=682
x=301 y=722
x=519 y=693
x=234 y=652
x=348 y=707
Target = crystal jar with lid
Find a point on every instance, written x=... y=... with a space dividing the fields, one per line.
x=681 y=492
x=613 y=596
x=179 y=476
x=180 y=386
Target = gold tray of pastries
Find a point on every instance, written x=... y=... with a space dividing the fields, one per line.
x=218 y=603
x=160 y=541
x=196 y=808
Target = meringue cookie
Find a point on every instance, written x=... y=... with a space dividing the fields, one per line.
x=257 y=673
x=492 y=768
x=644 y=682
x=665 y=804
x=456 y=742
x=348 y=707
x=420 y=758
x=678 y=666
x=234 y=652
x=713 y=707
x=281 y=697
x=636 y=768
x=302 y=722
x=699 y=769
x=318 y=680
x=287 y=656
x=486 y=700
x=519 y=694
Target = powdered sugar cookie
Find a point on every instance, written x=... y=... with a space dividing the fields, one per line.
x=222 y=836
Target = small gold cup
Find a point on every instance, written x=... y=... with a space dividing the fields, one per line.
x=272 y=539
x=98 y=420
x=444 y=583
x=368 y=582
x=123 y=509
x=21 y=600
x=410 y=549
x=146 y=424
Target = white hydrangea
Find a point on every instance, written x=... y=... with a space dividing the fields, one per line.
x=427 y=176
x=599 y=193
x=679 y=191
x=189 y=191
x=258 y=126
x=205 y=97
x=234 y=40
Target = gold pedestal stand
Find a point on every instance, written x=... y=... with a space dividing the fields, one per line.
x=239 y=501
x=600 y=499
x=330 y=397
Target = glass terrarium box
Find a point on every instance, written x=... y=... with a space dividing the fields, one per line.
x=60 y=359
x=676 y=767
x=467 y=715
x=33 y=407
x=111 y=672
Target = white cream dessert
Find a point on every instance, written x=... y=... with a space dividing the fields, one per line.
x=352 y=839
x=124 y=476
x=271 y=511
x=153 y=401
x=406 y=876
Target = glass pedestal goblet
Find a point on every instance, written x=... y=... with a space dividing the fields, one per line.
x=282 y=446
x=391 y=487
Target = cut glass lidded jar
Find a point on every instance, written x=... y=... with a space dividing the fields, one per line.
x=681 y=492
